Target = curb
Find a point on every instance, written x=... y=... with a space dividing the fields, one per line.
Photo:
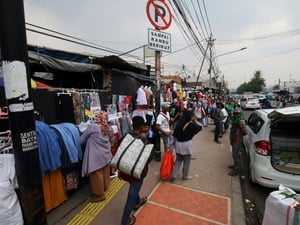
x=237 y=207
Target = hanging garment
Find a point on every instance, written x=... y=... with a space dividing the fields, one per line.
x=10 y=210
x=49 y=149
x=71 y=139
x=53 y=189
x=78 y=107
x=95 y=102
x=65 y=109
x=141 y=98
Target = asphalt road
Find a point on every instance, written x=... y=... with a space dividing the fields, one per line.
x=254 y=195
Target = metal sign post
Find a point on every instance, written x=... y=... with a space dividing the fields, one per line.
x=21 y=113
x=159 y=15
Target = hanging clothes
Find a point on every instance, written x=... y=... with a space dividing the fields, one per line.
x=141 y=98
x=70 y=135
x=65 y=109
x=49 y=149
x=53 y=189
x=95 y=103
x=10 y=210
x=78 y=107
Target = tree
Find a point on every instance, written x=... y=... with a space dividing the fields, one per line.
x=255 y=85
x=276 y=87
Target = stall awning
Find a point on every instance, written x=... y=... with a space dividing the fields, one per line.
x=63 y=65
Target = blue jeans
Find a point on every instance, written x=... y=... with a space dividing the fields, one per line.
x=166 y=141
x=133 y=199
x=236 y=147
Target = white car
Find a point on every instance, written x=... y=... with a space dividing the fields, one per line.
x=273 y=147
x=250 y=103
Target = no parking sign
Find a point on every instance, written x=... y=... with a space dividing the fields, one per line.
x=159 y=14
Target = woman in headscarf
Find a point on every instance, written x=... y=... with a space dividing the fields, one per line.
x=97 y=155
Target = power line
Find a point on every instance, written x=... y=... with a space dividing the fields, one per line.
x=79 y=40
x=261 y=37
x=263 y=57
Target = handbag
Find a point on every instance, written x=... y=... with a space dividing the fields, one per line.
x=132 y=156
x=166 y=166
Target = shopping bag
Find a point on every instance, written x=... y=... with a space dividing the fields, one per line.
x=132 y=156
x=167 y=163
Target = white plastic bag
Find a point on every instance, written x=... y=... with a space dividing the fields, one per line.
x=279 y=208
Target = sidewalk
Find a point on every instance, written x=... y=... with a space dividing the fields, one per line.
x=211 y=197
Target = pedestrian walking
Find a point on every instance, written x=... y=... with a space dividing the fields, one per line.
x=224 y=120
x=237 y=131
x=218 y=117
x=185 y=130
x=134 y=201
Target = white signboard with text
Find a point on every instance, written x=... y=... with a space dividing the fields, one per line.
x=159 y=41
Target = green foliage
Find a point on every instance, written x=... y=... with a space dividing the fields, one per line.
x=255 y=85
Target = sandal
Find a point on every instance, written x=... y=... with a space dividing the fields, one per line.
x=142 y=202
x=96 y=199
x=132 y=220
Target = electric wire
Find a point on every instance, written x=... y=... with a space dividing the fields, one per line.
x=82 y=41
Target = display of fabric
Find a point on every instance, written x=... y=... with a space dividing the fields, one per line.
x=78 y=107
x=53 y=188
x=125 y=122
x=71 y=139
x=49 y=149
x=71 y=178
x=10 y=210
x=95 y=104
x=65 y=111
x=141 y=98
x=86 y=103
x=140 y=112
x=48 y=111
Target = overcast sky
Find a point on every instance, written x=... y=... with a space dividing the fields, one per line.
x=270 y=29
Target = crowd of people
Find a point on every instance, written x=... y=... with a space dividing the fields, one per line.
x=176 y=125
x=185 y=118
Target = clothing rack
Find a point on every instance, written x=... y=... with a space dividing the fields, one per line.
x=66 y=90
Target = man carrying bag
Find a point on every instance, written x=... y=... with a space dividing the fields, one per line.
x=133 y=202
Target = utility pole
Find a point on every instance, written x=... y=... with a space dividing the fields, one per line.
x=210 y=44
x=157 y=103
x=15 y=67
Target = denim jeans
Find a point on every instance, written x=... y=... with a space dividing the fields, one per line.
x=133 y=199
x=166 y=141
x=236 y=147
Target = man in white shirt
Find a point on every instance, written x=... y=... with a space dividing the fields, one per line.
x=225 y=116
x=163 y=124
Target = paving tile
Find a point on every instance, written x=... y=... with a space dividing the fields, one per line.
x=169 y=204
